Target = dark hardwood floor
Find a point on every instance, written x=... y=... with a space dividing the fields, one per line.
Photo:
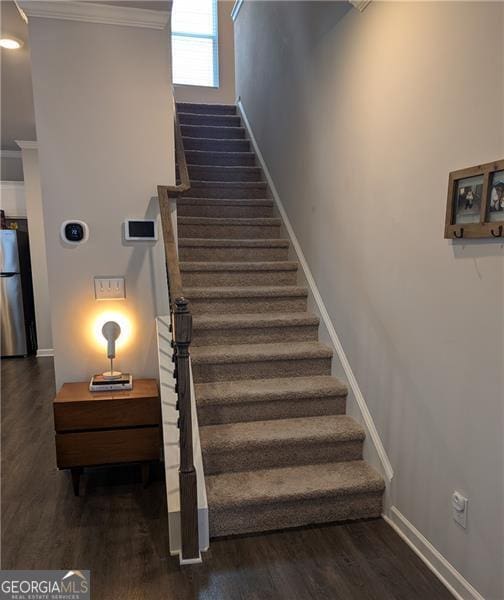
x=118 y=530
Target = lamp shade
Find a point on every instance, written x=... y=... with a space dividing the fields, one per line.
x=111 y=331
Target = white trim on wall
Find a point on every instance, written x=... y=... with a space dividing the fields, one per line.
x=360 y=4
x=90 y=12
x=45 y=352
x=236 y=9
x=435 y=561
x=370 y=427
x=27 y=145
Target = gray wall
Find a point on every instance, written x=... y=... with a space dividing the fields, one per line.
x=360 y=118
x=11 y=168
x=105 y=135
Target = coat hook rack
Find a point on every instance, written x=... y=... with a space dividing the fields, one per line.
x=459 y=235
x=499 y=234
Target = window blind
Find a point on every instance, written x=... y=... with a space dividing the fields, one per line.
x=195 y=52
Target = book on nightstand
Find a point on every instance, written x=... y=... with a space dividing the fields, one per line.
x=99 y=383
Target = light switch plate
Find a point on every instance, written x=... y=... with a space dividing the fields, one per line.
x=109 y=288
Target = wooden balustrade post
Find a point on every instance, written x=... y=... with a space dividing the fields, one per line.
x=187 y=473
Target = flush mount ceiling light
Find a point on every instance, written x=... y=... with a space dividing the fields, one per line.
x=10 y=43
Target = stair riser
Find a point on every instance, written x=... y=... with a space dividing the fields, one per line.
x=210 y=145
x=274 y=409
x=268 y=369
x=215 y=133
x=247 y=305
x=256 y=335
x=237 y=278
x=269 y=456
x=206 y=109
x=229 y=232
x=297 y=513
x=228 y=192
x=202 y=254
x=212 y=120
x=239 y=212
x=203 y=173
x=220 y=159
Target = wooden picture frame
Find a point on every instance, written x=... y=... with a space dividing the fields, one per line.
x=475 y=208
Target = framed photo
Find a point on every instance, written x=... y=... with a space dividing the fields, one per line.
x=496 y=199
x=475 y=205
x=469 y=194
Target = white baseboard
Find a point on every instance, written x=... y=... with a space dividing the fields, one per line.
x=367 y=419
x=435 y=561
x=43 y=352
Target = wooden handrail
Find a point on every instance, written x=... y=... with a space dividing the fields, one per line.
x=181 y=328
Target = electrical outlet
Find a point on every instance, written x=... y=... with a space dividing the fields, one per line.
x=459 y=508
x=109 y=288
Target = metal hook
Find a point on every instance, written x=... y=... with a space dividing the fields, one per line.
x=461 y=233
x=497 y=234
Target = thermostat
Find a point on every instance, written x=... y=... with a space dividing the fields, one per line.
x=74 y=232
x=140 y=230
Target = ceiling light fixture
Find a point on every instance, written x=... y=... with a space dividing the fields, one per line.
x=10 y=43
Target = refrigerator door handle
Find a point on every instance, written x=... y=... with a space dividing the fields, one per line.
x=7 y=274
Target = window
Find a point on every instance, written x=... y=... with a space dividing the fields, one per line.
x=195 y=51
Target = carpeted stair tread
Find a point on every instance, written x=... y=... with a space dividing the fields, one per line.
x=225 y=158
x=186 y=200
x=277 y=265
x=200 y=188
x=259 y=222
x=232 y=243
x=222 y=120
x=327 y=429
x=209 y=145
x=206 y=108
x=268 y=390
x=245 y=292
x=230 y=174
x=301 y=483
x=257 y=320
x=227 y=185
x=215 y=132
x=241 y=353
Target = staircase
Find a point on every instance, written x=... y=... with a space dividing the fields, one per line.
x=278 y=449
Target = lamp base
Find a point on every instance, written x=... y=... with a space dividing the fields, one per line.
x=112 y=375
x=99 y=383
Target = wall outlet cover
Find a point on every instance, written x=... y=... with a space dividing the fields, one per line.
x=459 y=508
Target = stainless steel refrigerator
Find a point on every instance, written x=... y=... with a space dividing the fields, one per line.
x=18 y=333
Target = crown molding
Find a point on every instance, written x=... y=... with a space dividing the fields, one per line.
x=90 y=12
x=10 y=153
x=27 y=145
x=360 y=4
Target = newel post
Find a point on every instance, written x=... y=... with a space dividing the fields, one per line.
x=187 y=473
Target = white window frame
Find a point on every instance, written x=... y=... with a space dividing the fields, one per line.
x=215 y=48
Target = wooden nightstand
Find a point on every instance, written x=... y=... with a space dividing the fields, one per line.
x=100 y=428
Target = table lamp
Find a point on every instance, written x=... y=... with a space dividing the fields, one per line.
x=111 y=331
x=111 y=380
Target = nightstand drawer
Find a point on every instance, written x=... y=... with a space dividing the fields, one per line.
x=89 y=448
x=106 y=414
